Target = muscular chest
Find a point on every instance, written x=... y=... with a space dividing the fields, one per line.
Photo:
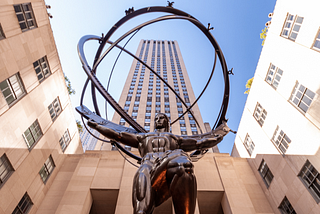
x=158 y=143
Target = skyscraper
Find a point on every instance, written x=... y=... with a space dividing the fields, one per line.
x=144 y=94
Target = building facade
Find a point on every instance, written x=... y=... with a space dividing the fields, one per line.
x=279 y=130
x=37 y=125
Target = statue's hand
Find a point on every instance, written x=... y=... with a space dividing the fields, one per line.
x=92 y=124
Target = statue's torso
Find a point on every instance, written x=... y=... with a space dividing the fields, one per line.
x=155 y=142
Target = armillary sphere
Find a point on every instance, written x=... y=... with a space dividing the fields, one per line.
x=95 y=83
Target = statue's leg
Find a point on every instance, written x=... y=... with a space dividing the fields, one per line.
x=183 y=185
x=142 y=195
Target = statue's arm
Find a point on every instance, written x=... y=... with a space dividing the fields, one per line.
x=126 y=138
x=216 y=136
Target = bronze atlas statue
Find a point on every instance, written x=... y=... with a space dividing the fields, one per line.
x=166 y=168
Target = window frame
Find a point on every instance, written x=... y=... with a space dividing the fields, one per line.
x=25 y=20
x=2 y=35
x=273 y=78
x=290 y=30
x=278 y=137
x=31 y=129
x=65 y=140
x=260 y=116
x=293 y=96
x=11 y=85
x=285 y=205
x=265 y=174
x=47 y=168
x=248 y=144
x=315 y=175
x=316 y=40
x=56 y=109
x=42 y=65
x=25 y=198
x=8 y=169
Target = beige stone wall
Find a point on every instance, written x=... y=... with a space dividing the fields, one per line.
x=300 y=127
x=18 y=51
x=103 y=180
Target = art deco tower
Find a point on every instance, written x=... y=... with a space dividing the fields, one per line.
x=144 y=94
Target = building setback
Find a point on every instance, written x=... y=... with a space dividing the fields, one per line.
x=37 y=126
x=279 y=130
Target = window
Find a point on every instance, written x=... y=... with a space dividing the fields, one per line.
x=32 y=134
x=64 y=140
x=2 y=36
x=25 y=16
x=136 y=103
x=311 y=179
x=54 y=109
x=316 y=44
x=260 y=114
x=285 y=207
x=274 y=76
x=24 y=205
x=248 y=143
x=281 y=140
x=301 y=97
x=134 y=115
x=122 y=121
x=46 y=169
x=135 y=109
x=127 y=103
x=183 y=133
x=12 y=89
x=147 y=120
x=6 y=169
x=265 y=173
x=291 y=27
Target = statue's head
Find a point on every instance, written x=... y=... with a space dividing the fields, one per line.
x=161 y=122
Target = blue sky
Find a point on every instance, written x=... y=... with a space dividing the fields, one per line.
x=237 y=26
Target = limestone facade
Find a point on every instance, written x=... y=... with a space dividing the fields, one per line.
x=31 y=128
x=279 y=129
x=101 y=182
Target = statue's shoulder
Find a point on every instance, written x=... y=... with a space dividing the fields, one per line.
x=168 y=134
x=145 y=135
